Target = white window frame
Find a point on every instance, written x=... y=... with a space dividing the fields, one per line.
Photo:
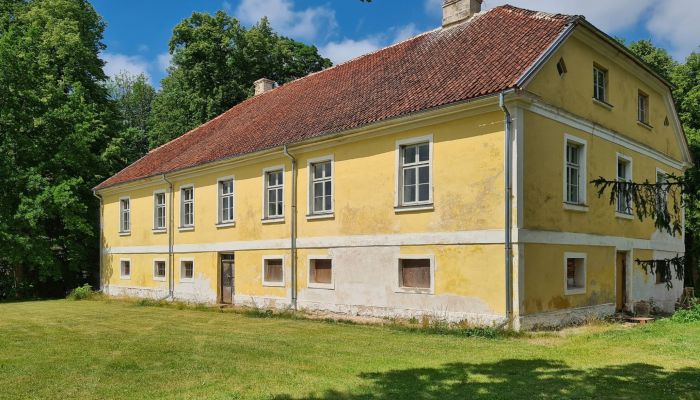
x=121 y=270
x=582 y=205
x=606 y=78
x=122 y=231
x=310 y=211
x=284 y=271
x=182 y=268
x=628 y=160
x=156 y=277
x=581 y=290
x=661 y=171
x=314 y=285
x=265 y=217
x=156 y=228
x=397 y=274
x=183 y=226
x=219 y=202
x=643 y=119
x=399 y=204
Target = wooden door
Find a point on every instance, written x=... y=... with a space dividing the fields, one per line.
x=621 y=284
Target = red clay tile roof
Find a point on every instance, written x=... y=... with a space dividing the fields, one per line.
x=485 y=55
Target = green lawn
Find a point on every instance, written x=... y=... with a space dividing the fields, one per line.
x=102 y=350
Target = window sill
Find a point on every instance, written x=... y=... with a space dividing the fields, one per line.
x=413 y=208
x=125 y=233
x=413 y=290
x=273 y=284
x=645 y=125
x=576 y=207
x=603 y=104
x=273 y=220
x=312 y=217
x=624 y=215
x=326 y=286
x=159 y=279
x=185 y=228
x=159 y=231
x=575 y=291
x=225 y=225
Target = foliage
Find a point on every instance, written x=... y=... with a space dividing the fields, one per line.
x=84 y=292
x=215 y=61
x=691 y=314
x=664 y=268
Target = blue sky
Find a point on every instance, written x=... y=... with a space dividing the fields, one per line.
x=137 y=32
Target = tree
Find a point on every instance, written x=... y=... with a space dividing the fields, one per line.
x=215 y=62
x=54 y=123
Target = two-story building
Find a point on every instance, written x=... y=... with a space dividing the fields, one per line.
x=446 y=175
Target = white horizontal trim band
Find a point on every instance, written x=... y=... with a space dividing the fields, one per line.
x=495 y=236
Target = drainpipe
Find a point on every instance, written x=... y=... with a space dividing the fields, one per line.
x=99 y=197
x=171 y=240
x=508 y=248
x=294 y=226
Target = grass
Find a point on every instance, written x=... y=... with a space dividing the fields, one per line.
x=109 y=349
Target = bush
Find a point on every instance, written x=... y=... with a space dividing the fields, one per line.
x=691 y=314
x=84 y=292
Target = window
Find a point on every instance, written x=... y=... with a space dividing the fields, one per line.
x=561 y=67
x=186 y=270
x=624 y=174
x=225 y=200
x=125 y=269
x=415 y=172
x=416 y=274
x=159 y=210
x=321 y=272
x=274 y=194
x=273 y=271
x=662 y=192
x=321 y=187
x=600 y=84
x=575 y=171
x=124 y=215
x=575 y=272
x=187 y=207
x=643 y=108
x=159 y=270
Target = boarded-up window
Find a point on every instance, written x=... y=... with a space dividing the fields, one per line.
x=414 y=273
x=273 y=271
x=321 y=271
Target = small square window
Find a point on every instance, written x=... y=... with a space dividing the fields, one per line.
x=575 y=270
x=186 y=270
x=159 y=269
x=321 y=272
x=125 y=269
x=273 y=272
x=415 y=273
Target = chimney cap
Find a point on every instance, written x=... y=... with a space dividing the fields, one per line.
x=264 y=85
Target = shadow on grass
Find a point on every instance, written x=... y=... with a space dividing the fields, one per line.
x=517 y=379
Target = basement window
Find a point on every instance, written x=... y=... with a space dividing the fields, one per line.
x=561 y=68
x=159 y=270
x=575 y=273
x=186 y=270
x=125 y=269
x=273 y=271
x=416 y=274
x=321 y=273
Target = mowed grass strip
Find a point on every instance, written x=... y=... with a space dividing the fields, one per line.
x=117 y=350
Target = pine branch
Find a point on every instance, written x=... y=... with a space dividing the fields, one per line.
x=662 y=269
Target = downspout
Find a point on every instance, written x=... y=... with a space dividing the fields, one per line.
x=293 y=234
x=171 y=240
x=508 y=242
x=99 y=197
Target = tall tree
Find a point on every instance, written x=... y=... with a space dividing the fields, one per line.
x=54 y=119
x=215 y=62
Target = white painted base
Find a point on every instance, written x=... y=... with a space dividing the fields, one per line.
x=562 y=318
x=159 y=293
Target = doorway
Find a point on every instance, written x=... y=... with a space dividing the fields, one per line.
x=621 y=284
x=227 y=275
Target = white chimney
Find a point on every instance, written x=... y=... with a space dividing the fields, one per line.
x=456 y=11
x=264 y=85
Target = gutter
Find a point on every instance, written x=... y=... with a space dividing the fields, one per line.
x=99 y=197
x=508 y=207
x=171 y=240
x=293 y=233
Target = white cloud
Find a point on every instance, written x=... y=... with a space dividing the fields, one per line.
x=116 y=63
x=405 y=32
x=348 y=49
x=675 y=23
x=163 y=61
x=303 y=24
x=226 y=6
x=433 y=7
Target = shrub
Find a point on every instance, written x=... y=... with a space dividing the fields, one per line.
x=84 y=292
x=691 y=314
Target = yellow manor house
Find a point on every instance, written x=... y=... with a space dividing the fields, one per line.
x=446 y=175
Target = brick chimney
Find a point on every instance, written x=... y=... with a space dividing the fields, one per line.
x=264 y=85
x=456 y=11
